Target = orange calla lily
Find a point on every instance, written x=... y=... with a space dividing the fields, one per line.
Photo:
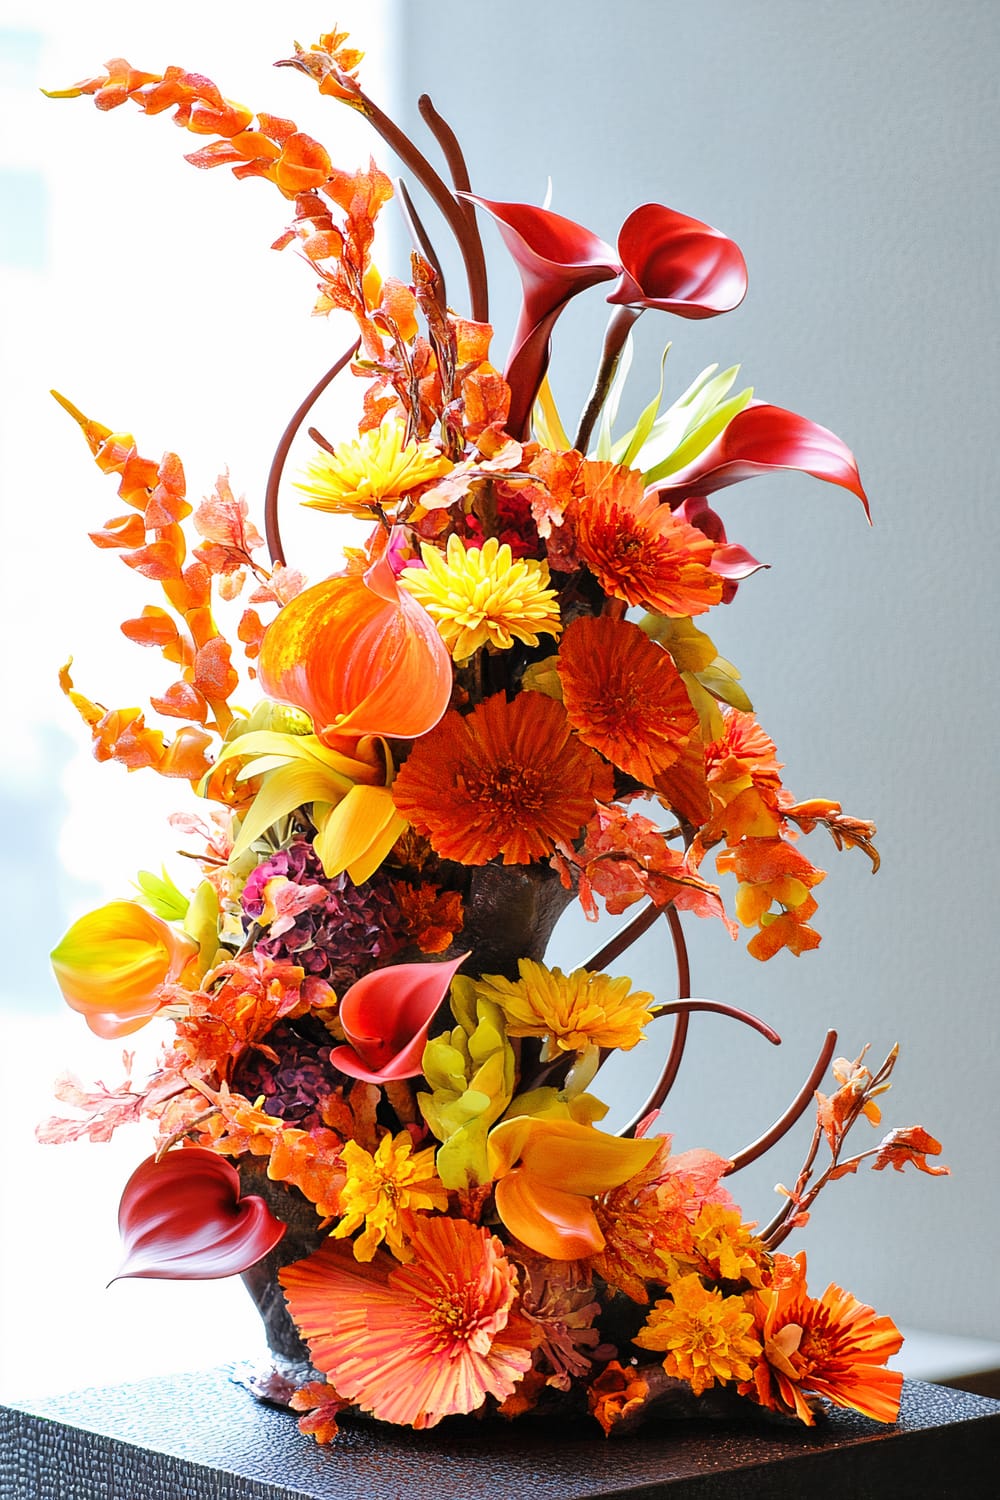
x=360 y=656
x=113 y=962
x=547 y=1172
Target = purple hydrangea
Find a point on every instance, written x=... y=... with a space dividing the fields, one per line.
x=357 y=927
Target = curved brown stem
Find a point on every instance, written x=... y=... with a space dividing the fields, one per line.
x=452 y=152
x=277 y=468
x=619 y=326
x=452 y=209
x=422 y=241
x=792 y=1114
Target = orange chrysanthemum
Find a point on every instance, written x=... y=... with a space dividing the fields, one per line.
x=832 y=1346
x=507 y=779
x=624 y=696
x=637 y=548
x=703 y=1336
x=412 y=1344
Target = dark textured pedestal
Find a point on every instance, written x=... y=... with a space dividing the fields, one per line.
x=199 y=1437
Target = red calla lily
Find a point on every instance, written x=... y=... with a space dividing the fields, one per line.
x=386 y=1015
x=761 y=438
x=730 y=560
x=181 y=1218
x=677 y=264
x=361 y=657
x=555 y=259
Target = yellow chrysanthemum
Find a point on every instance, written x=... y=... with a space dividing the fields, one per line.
x=703 y=1335
x=379 y=1189
x=375 y=471
x=480 y=595
x=573 y=1011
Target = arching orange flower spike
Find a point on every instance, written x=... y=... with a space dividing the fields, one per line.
x=360 y=657
x=113 y=962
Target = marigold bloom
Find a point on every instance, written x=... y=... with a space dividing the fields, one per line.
x=648 y=1221
x=412 y=1344
x=507 y=779
x=573 y=1011
x=616 y=1393
x=380 y=1188
x=624 y=696
x=638 y=549
x=832 y=1346
x=480 y=596
x=113 y=963
x=704 y=1336
x=371 y=474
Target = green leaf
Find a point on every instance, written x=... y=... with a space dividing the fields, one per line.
x=697 y=440
x=161 y=895
x=644 y=426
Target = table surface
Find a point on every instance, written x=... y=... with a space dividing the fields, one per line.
x=202 y=1437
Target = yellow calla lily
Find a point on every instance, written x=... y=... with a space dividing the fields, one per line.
x=358 y=833
x=548 y=1171
x=298 y=769
x=113 y=962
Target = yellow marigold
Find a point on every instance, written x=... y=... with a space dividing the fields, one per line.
x=373 y=472
x=573 y=1011
x=480 y=595
x=379 y=1190
x=724 y=1248
x=703 y=1335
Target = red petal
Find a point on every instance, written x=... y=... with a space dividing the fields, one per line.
x=678 y=265
x=763 y=437
x=555 y=259
x=181 y=1219
x=386 y=1015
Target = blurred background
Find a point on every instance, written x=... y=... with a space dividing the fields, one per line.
x=847 y=149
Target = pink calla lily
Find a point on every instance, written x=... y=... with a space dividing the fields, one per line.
x=361 y=657
x=386 y=1015
x=761 y=438
x=555 y=259
x=677 y=264
x=181 y=1218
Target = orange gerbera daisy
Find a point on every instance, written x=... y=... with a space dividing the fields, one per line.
x=624 y=696
x=507 y=779
x=638 y=549
x=415 y=1343
x=832 y=1346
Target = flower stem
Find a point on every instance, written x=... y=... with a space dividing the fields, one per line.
x=618 y=329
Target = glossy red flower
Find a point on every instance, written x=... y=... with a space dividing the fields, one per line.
x=555 y=259
x=677 y=264
x=181 y=1218
x=386 y=1015
x=761 y=438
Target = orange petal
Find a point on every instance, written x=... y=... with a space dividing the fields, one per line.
x=360 y=657
x=547 y=1219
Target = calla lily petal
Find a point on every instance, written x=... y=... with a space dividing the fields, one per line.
x=181 y=1218
x=678 y=264
x=386 y=1015
x=112 y=963
x=555 y=259
x=361 y=657
x=548 y=1171
x=553 y=1223
x=761 y=438
x=358 y=833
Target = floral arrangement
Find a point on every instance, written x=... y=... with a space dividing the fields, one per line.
x=453 y=735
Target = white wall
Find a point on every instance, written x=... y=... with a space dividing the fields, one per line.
x=846 y=147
